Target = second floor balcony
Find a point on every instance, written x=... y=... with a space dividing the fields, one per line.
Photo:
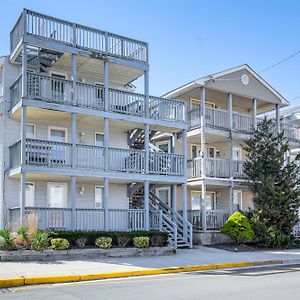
x=91 y=96
x=59 y=155
x=216 y=168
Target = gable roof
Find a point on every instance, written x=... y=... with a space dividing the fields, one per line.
x=202 y=81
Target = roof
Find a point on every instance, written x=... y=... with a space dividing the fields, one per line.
x=202 y=81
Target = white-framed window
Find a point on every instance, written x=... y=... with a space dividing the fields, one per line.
x=29 y=194
x=195 y=200
x=211 y=152
x=99 y=192
x=238 y=199
x=196 y=103
x=210 y=200
x=164 y=146
x=164 y=194
x=195 y=151
x=58 y=134
x=99 y=139
x=57 y=194
x=30 y=131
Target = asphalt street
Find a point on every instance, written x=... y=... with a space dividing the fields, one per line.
x=273 y=282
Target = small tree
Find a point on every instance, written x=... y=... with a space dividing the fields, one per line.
x=274 y=182
x=238 y=228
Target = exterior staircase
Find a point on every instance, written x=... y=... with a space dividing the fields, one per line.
x=179 y=231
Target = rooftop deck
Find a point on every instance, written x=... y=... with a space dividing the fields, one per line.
x=52 y=29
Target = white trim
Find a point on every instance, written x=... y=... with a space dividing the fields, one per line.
x=208 y=193
x=165 y=188
x=238 y=149
x=164 y=142
x=191 y=148
x=98 y=186
x=60 y=73
x=65 y=184
x=34 y=129
x=97 y=132
x=58 y=128
x=241 y=192
x=213 y=105
x=33 y=184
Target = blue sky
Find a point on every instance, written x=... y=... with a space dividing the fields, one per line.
x=189 y=39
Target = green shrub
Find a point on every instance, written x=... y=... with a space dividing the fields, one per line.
x=103 y=242
x=141 y=242
x=59 y=244
x=6 y=240
x=40 y=241
x=238 y=228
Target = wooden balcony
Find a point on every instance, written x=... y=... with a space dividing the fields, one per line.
x=216 y=168
x=87 y=219
x=91 y=96
x=51 y=154
x=50 y=29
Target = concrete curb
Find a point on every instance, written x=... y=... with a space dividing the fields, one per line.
x=28 y=280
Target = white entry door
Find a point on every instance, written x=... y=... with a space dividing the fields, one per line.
x=57 y=194
x=58 y=150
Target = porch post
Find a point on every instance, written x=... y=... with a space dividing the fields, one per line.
x=74 y=78
x=230 y=151
x=174 y=186
x=203 y=206
x=23 y=134
x=106 y=85
x=73 y=203
x=231 y=208
x=24 y=71
x=106 y=144
x=106 y=204
x=202 y=132
x=74 y=138
x=184 y=185
x=277 y=119
x=146 y=204
x=146 y=147
x=254 y=111
x=146 y=91
x=22 y=198
x=230 y=119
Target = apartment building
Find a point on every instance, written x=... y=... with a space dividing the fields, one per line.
x=223 y=108
x=76 y=140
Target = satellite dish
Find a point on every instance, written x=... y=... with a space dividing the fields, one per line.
x=245 y=79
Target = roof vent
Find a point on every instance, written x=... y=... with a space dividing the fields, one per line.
x=245 y=79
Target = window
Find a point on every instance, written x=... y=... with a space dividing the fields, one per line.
x=210 y=200
x=30 y=131
x=164 y=146
x=57 y=194
x=195 y=151
x=238 y=199
x=29 y=194
x=99 y=190
x=164 y=194
x=210 y=152
x=99 y=139
x=196 y=200
x=196 y=104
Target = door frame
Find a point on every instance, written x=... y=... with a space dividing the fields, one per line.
x=206 y=194
x=57 y=128
x=34 y=129
x=164 y=142
x=241 y=192
x=168 y=188
x=238 y=149
x=196 y=145
x=66 y=185
x=102 y=187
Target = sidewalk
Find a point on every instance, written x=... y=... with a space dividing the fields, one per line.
x=195 y=257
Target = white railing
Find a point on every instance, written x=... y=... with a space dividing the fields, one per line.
x=242 y=122
x=215 y=219
x=83 y=37
x=86 y=219
x=126 y=160
x=296 y=231
x=216 y=117
x=194 y=167
x=51 y=154
x=165 y=163
x=59 y=91
x=238 y=169
x=217 y=167
x=291 y=132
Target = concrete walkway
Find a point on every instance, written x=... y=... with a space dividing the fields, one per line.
x=196 y=256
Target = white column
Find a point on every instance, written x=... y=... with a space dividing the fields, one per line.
x=22 y=198
x=231 y=208
x=146 y=91
x=230 y=111
x=74 y=78
x=184 y=185
x=146 y=204
x=73 y=202
x=277 y=119
x=203 y=207
x=106 y=85
x=106 y=204
x=24 y=70
x=106 y=144
x=23 y=134
x=146 y=147
x=174 y=186
x=254 y=112
x=74 y=138
x=202 y=132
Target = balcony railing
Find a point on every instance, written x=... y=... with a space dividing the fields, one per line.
x=291 y=132
x=82 y=37
x=86 y=219
x=52 y=154
x=59 y=91
x=215 y=219
x=216 y=167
